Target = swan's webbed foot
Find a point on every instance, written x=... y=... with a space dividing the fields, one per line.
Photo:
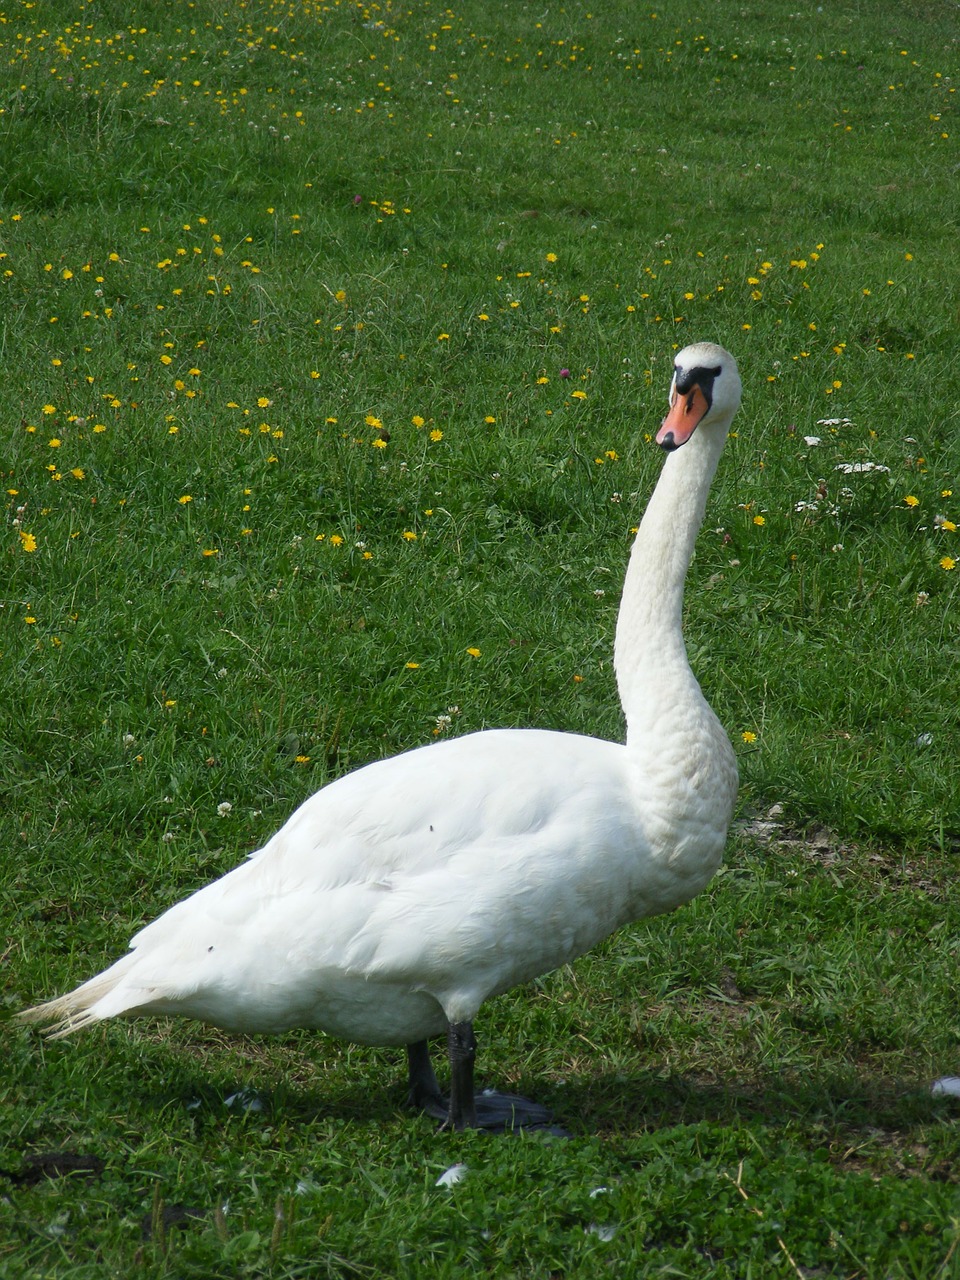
x=495 y=1112
x=508 y=1111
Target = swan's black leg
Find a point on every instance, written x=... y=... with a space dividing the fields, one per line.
x=505 y=1112
x=423 y=1091
x=462 y=1051
x=466 y=1109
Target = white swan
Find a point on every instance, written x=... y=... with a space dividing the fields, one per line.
x=398 y=898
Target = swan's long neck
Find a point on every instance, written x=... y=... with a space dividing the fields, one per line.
x=650 y=657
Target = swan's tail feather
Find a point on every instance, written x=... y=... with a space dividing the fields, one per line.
x=59 y=1018
x=103 y=996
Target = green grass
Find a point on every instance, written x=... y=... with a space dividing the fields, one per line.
x=318 y=269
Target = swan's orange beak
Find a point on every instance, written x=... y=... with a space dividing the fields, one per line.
x=680 y=423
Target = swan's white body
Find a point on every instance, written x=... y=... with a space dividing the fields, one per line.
x=397 y=899
x=400 y=897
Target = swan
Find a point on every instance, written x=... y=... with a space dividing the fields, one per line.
x=401 y=896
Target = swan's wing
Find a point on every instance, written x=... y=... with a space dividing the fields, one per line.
x=402 y=870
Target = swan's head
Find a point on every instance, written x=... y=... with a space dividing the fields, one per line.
x=705 y=389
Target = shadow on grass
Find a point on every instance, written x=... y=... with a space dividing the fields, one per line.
x=612 y=1105
x=224 y=1083
x=618 y=1102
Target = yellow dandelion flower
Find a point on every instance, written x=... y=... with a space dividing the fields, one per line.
x=436 y=434
x=474 y=653
x=417 y=421
x=184 y=499
x=759 y=520
x=911 y=500
x=948 y=563
x=27 y=541
x=748 y=737
x=409 y=535
x=336 y=540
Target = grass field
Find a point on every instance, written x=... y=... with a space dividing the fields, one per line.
x=333 y=341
